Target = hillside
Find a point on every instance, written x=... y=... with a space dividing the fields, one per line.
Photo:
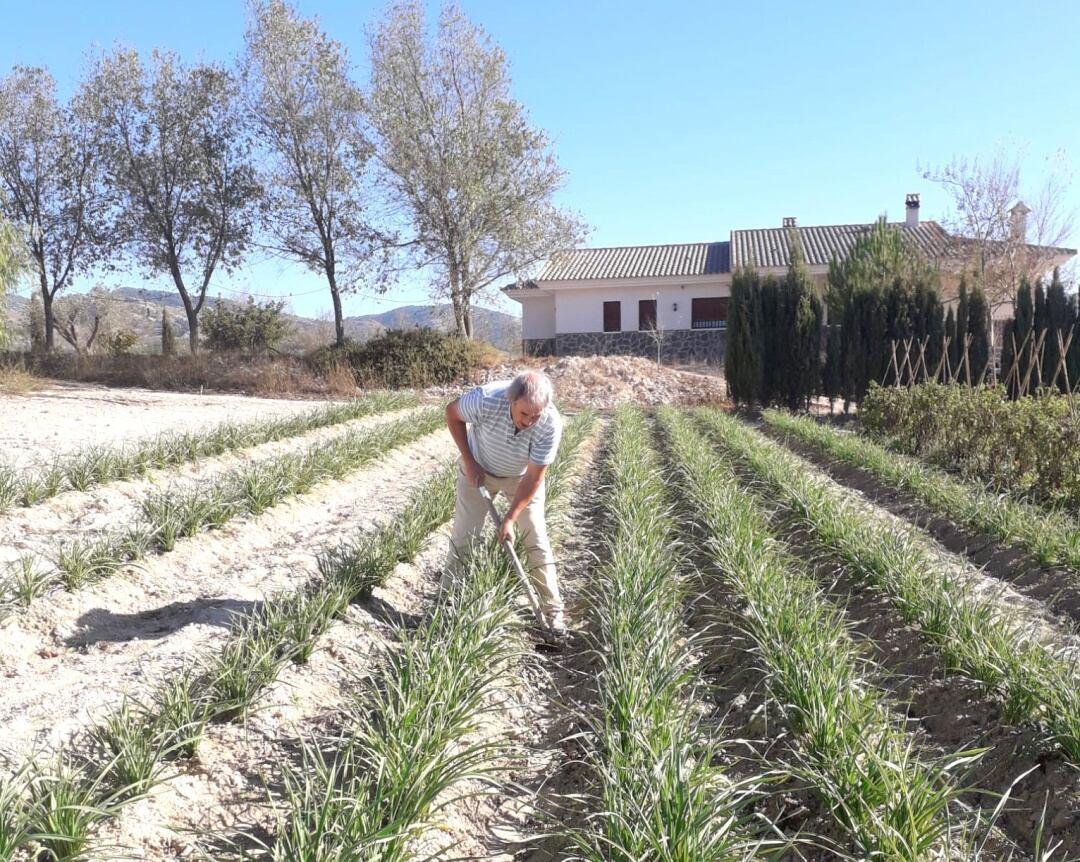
x=140 y=310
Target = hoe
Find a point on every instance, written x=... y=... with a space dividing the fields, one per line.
x=549 y=636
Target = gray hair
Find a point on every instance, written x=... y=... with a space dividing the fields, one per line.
x=534 y=386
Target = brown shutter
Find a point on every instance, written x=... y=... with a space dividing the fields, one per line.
x=708 y=312
x=613 y=316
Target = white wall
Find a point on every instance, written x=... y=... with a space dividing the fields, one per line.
x=581 y=309
x=538 y=316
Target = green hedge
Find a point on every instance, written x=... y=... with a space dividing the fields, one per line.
x=1028 y=448
x=411 y=358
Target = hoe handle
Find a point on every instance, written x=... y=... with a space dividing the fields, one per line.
x=534 y=601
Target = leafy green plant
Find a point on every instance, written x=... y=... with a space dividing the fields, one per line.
x=657 y=794
x=181 y=709
x=983 y=637
x=135 y=749
x=1028 y=448
x=892 y=800
x=67 y=801
x=15 y=816
x=1052 y=536
x=98 y=464
x=405 y=742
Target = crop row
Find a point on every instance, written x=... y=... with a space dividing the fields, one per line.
x=657 y=794
x=408 y=741
x=1051 y=536
x=1032 y=677
x=96 y=465
x=55 y=804
x=170 y=515
x=886 y=795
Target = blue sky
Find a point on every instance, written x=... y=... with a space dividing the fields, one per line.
x=680 y=121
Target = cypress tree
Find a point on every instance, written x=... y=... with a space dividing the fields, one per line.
x=933 y=323
x=962 y=316
x=1056 y=324
x=1024 y=329
x=1008 y=357
x=832 y=383
x=742 y=360
x=979 y=330
x=950 y=335
x=1072 y=324
x=168 y=336
x=803 y=340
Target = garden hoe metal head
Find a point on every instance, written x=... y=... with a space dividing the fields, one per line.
x=551 y=638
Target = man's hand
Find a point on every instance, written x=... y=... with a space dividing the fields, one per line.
x=506 y=530
x=473 y=471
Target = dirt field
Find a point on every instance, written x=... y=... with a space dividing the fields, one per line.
x=67 y=416
x=70 y=657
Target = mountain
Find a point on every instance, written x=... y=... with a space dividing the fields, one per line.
x=139 y=310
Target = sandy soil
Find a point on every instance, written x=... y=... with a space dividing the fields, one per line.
x=81 y=514
x=70 y=656
x=236 y=779
x=67 y=416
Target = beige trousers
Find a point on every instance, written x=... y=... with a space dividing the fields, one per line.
x=470 y=513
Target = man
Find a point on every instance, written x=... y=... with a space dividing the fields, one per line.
x=508 y=434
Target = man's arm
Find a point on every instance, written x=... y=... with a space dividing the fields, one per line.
x=454 y=421
x=526 y=490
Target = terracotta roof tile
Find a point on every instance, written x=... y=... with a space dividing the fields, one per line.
x=642 y=261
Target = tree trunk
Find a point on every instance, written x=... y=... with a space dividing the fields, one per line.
x=46 y=305
x=193 y=327
x=466 y=314
x=457 y=302
x=339 y=320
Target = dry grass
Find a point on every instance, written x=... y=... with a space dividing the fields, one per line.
x=15 y=379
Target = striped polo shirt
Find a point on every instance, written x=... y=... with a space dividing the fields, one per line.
x=496 y=443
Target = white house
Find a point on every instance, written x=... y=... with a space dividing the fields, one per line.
x=620 y=300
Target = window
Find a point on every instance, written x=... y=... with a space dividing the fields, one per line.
x=613 y=316
x=708 y=313
x=646 y=314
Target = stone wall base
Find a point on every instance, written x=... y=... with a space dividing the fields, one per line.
x=678 y=345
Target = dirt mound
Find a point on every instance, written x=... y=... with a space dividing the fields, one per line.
x=607 y=381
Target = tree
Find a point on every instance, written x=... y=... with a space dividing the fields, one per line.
x=1058 y=325
x=950 y=338
x=82 y=318
x=179 y=166
x=12 y=264
x=803 y=341
x=49 y=168
x=960 y=356
x=472 y=178
x=742 y=361
x=979 y=355
x=168 y=336
x=251 y=328
x=310 y=118
x=832 y=372
x=1000 y=239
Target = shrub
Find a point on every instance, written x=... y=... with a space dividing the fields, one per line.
x=411 y=358
x=251 y=328
x=1029 y=448
x=121 y=342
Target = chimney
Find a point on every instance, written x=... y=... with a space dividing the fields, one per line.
x=1018 y=221
x=911 y=204
x=789 y=221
